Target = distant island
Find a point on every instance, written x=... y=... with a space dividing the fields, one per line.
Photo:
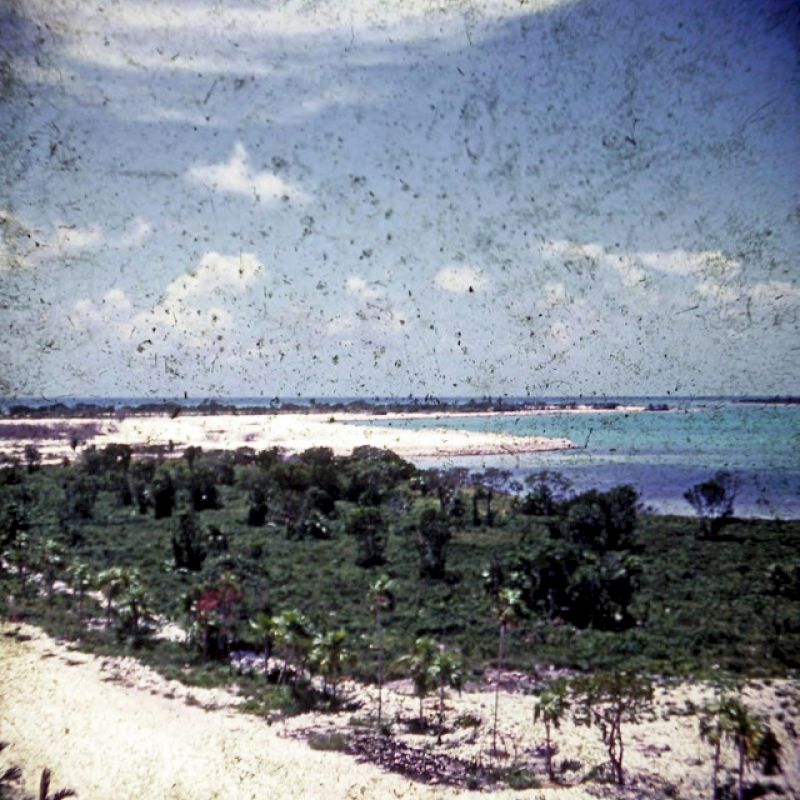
x=212 y=407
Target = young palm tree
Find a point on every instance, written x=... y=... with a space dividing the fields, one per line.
x=263 y=628
x=80 y=581
x=746 y=731
x=711 y=732
x=51 y=560
x=135 y=602
x=509 y=610
x=419 y=663
x=330 y=655
x=381 y=598
x=446 y=672
x=111 y=583
x=550 y=708
x=291 y=631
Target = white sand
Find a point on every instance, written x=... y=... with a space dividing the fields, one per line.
x=111 y=728
x=292 y=432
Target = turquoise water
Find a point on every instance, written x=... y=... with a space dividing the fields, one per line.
x=661 y=453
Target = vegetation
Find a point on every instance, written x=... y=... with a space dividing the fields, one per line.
x=551 y=707
x=607 y=701
x=365 y=566
x=713 y=502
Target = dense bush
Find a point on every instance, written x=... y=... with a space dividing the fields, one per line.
x=369 y=528
x=431 y=535
x=188 y=548
x=713 y=502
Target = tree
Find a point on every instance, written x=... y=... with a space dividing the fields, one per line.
x=79 y=578
x=600 y=590
x=713 y=502
x=51 y=561
x=509 y=609
x=216 y=612
x=263 y=628
x=446 y=672
x=546 y=493
x=14 y=516
x=419 y=663
x=602 y=521
x=292 y=633
x=124 y=585
x=368 y=527
x=44 y=788
x=33 y=458
x=191 y=454
x=140 y=476
x=550 y=708
x=330 y=655
x=750 y=736
x=607 y=701
x=432 y=533
x=111 y=583
x=381 y=599
x=134 y=604
x=80 y=493
x=162 y=491
x=188 y=548
x=255 y=481
x=202 y=488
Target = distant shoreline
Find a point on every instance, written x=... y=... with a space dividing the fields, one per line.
x=414 y=410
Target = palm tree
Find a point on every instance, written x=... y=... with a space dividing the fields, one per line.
x=80 y=580
x=135 y=602
x=381 y=598
x=746 y=731
x=110 y=583
x=550 y=708
x=263 y=628
x=44 y=789
x=51 y=560
x=291 y=631
x=509 y=610
x=330 y=654
x=419 y=663
x=446 y=671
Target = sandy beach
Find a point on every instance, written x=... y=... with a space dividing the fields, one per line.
x=111 y=728
x=291 y=432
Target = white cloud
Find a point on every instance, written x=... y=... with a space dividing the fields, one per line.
x=110 y=315
x=32 y=246
x=205 y=301
x=357 y=286
x=371 y=314
x=139 y=230
x=772 y=303
x=69 y=238
x=236 y=176
x=636 y=267
x=460 y=280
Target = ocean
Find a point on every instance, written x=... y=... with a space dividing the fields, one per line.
x=661 y=453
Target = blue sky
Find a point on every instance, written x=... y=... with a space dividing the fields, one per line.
x=333 y=198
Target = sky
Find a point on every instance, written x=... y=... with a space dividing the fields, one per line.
x=332 y=198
